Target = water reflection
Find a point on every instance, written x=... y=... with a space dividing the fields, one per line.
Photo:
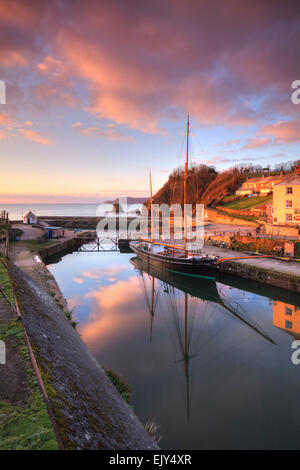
x=287 y=317
x=193 y=290
x=211 y=363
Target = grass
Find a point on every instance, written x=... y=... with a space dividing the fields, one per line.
x=120 y=384
x=26 y=426
x=247 y=202
x=5 y=282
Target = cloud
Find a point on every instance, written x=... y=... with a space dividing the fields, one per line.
x=35 y=136
x=77 y=124
x=256 y=143
x=12 y=59
x=218 y=159
x=283 y=131
x=105 y=132
x=217 y=62
x=5 y=119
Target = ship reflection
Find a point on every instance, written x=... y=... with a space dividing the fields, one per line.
x=196 y=293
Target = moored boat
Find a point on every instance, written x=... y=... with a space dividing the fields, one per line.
x=176 y=258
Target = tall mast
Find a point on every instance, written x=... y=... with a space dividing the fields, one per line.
x=186 y=170
x=151 y=212
x=186 y=355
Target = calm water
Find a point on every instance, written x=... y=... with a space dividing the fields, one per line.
x=218 y=376
x=16 y=211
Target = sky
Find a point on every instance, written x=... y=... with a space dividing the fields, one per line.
x=98 y=91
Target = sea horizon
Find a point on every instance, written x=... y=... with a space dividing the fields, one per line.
x=17 y=211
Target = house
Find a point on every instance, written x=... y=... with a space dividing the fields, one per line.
x=30 y=218
x=259 y=186
x=286 y=201
x=55 y=232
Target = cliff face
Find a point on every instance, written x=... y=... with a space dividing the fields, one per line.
x=89 y=411
x=205 y=186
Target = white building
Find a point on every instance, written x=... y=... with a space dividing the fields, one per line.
x=30 y=218
x=286 y=201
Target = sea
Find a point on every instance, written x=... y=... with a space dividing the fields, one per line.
x=17 y=211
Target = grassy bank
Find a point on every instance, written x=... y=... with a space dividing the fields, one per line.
x=24 y=421
x=247 y=202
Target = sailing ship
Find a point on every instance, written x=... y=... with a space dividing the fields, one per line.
x=175 y=258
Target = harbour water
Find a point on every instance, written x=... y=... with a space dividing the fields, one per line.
x=210 y=364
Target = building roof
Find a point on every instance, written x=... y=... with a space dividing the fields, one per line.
x=290 y=181
x=264 y=179
x=30 y=214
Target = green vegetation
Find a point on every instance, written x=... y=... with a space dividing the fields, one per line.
x=120 y=384
x=247 y=202
x=5 y=282
x=26 y=426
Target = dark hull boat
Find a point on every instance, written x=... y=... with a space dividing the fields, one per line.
x=174 y=261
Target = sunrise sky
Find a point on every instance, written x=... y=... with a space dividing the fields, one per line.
x=98 y=92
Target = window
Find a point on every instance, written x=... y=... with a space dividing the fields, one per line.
x=288 y=217
x=289 y=190
x=288 y=324
x=288 y=204
x=297 y=211
x=288 y=311
x=275 y=219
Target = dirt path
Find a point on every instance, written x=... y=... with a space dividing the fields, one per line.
x=29 y=232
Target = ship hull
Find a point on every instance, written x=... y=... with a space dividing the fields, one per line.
x=184 y=266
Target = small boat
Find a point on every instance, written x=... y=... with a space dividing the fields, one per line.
x=174 y=258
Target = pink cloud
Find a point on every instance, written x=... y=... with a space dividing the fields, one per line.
x=104 y=132
x=35 y=136
x=283 y=131
x=219 y=63
x=257 y=142
x=12 y=59
x=5 y=119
